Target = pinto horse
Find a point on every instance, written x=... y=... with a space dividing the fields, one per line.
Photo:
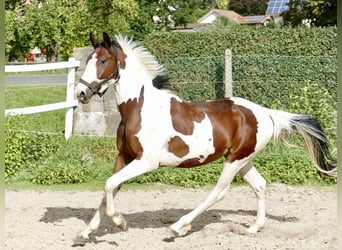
x=158 y=128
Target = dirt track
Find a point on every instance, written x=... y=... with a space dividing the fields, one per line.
x=298 y=218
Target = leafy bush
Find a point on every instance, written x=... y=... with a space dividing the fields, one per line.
x=193 y=177
x=288 y=164
x=317 y=101
x=24 y=150
x=59 y=174
x=77 y=160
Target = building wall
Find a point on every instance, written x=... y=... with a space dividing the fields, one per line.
x=210 y=19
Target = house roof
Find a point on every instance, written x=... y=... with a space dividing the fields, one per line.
x=255 y=19
x=190 y=27
x=212 y=15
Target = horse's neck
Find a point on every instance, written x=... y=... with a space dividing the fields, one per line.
x=135 y=88
x=149 y=98
x=129 y=87
x=131 y=108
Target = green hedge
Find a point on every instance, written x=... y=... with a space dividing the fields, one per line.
x=23 y=151
x=195 y=61
x=244 y=40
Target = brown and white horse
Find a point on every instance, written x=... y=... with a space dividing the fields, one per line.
x=158 y=128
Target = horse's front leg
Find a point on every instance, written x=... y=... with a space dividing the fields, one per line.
x=133 y=169
x=94 y=223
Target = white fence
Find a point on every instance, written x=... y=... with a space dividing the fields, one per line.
x=70 y=102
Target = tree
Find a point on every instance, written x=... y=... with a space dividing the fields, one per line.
x=248 y=7
x=57 y=25
x=323 y=12
x=12 y=4
x=143 y=23
x=13 y=43
x=162 y=14
x=222 y=4
x=112 y=16
x=188 y=12
x=61 y=25
x=319 y=12
x=295 y=14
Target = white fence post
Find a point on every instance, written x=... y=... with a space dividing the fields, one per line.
x=228 y=74
x=69 y=98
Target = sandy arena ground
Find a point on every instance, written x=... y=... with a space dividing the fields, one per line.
x=297 y=218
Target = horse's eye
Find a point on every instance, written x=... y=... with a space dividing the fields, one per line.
x=102 y=62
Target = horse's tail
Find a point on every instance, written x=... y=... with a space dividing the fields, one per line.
x=315 y=139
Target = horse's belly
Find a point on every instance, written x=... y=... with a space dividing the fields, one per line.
x=180 y=149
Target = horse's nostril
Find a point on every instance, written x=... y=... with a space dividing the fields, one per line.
x=82 y=94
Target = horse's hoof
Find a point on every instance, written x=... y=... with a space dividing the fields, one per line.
x=80 y=241
x=123 y=226
x=173 y=232
x=254 y=229
x=84 y=234
x=177 y=232
x=120 y=222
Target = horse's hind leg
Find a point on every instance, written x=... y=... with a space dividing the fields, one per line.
x=258 y=184
x=182 y=226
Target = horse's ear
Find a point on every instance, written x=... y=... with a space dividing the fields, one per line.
x=92 y=39
x=106 y=40
x=122 y=58
x=121 y=55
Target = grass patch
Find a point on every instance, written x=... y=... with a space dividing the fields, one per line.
x=26 y=96
x=31 y=95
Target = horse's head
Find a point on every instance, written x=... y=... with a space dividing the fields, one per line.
x=102 y=69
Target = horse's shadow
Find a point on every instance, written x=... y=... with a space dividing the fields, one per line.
x=151 y=219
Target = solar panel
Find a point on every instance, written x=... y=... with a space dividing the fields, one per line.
x=277 y=6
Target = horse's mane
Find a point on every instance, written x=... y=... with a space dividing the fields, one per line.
x=149 y=61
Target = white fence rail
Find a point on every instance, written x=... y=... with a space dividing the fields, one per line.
x=70 y=102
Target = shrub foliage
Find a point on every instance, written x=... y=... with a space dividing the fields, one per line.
x=23 y=151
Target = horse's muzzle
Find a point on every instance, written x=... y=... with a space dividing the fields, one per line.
x=84 y=95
